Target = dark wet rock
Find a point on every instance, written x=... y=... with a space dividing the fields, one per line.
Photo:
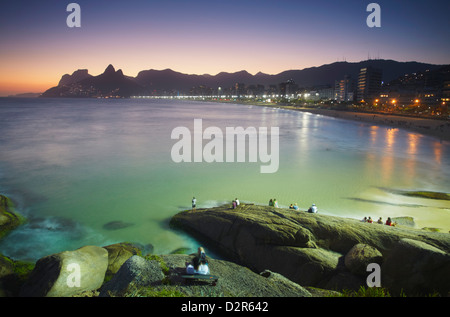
x=67 y=227
x=13 y=275
x=145 y=249
x=416 y=267
x=181 y=251
x=427 y=194
x=116 y=225
x=9 y=219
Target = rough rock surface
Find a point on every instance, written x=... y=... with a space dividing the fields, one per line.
x=117 y=255
x=135 y=272
x=361 y=255
x=417 y=268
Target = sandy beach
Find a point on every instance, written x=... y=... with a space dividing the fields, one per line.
x=439 y=129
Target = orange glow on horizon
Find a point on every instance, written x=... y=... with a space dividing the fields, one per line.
x=14 y=88
x=44 y=71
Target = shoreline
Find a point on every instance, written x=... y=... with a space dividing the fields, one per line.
x=437 y=128
x=433 y=127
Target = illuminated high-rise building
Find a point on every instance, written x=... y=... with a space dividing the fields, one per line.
x=369 y=84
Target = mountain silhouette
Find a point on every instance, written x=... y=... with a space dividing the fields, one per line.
x=160 y=82
x=110 y=83
x=76 y=76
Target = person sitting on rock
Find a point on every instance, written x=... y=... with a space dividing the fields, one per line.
x=295 y=206
x=313 y=209
x=203 y=268
x=389 y=222
x=190 y=268
x=380 y=220
x=200 y=262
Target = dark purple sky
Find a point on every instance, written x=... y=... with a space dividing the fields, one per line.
x=197 y=37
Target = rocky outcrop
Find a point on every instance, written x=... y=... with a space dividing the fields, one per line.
x=276 y=252
x=117 y=255
x=416 y=267
x=9 y=219
x=310 y=249
x=67 y=273
x=12 y=275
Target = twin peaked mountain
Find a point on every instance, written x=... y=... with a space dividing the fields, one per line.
x=111 y=83
x=114 y=83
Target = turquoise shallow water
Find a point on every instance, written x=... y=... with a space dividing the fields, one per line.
x=74 y=165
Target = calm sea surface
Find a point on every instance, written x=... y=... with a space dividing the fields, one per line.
x=74 y=165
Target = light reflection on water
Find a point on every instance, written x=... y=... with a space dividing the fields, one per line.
x=90 y=162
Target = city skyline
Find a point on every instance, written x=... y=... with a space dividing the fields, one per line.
x=208 y=37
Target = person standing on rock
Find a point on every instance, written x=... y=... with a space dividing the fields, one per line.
x=194 y=203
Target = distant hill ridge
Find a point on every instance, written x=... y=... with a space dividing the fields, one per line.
x=147 y=82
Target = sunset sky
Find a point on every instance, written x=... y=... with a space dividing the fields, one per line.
x=197 y=37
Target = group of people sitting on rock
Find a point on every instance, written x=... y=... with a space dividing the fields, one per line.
x=312 y=209
x=273 y=203
x=388 y=222
x=199 y=264
x=235 y=203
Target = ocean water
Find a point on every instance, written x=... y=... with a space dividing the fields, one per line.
x=73 y=166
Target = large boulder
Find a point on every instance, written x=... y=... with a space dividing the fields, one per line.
x=118 y=253
x=360 y=256
x=135 y=272
x=67 y=273
x=416 y=268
